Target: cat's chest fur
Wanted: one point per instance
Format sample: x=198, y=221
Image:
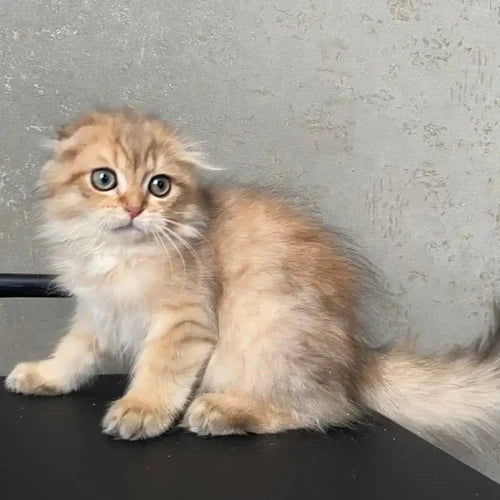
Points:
x=115, y=293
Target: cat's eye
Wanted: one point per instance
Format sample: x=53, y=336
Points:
x=159, y=185
x=103, y=179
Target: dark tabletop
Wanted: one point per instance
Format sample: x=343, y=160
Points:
x=52, y=448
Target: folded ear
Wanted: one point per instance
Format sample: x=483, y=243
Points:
x=66, y=131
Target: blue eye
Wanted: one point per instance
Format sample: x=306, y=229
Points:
x=159, y=185
x=103, y=179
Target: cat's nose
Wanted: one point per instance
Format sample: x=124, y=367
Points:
x=133, y=212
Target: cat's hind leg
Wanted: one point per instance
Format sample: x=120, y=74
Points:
x=281, y=363
x=219, y=414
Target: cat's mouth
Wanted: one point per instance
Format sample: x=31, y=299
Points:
x=130, y=227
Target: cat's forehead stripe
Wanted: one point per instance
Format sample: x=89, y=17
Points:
x=135, y=155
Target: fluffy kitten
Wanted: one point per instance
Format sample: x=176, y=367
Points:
x=240, y=314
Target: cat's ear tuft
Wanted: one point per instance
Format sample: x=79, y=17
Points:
x=196, y=158
x=67, y=131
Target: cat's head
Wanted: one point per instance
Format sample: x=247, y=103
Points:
x=121, y=177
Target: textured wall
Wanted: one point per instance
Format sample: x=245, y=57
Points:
x=384, y=114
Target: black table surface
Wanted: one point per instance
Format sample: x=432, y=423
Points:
x=52, y=448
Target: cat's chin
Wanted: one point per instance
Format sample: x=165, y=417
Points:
x=128, y=233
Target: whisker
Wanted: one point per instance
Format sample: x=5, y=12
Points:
x=177, y=250
x=190, y=214
x=200, y=223
x=187, y=245
x=180, y=224
x=162, y=244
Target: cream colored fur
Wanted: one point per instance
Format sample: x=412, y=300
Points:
x=237, y=312
x=456, y=394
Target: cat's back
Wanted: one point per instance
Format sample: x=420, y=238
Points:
x=283, y=283
x=251, y=218
x=257, y=230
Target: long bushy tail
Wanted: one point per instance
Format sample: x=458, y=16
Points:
x=455, y=394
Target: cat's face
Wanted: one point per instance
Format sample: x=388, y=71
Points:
x=122, y=178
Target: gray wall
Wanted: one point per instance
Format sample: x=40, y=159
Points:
x=383, y=114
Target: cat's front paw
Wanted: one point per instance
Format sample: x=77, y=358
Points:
x=35, y=378
x=131, y=418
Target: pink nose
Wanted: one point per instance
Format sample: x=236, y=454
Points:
x=133, y=212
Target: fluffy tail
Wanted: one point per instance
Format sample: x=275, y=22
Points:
x=456, y=394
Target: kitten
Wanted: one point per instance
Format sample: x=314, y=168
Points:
x=240, y=314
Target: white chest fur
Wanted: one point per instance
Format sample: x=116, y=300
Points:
x=119, y=327
x=114, y=296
